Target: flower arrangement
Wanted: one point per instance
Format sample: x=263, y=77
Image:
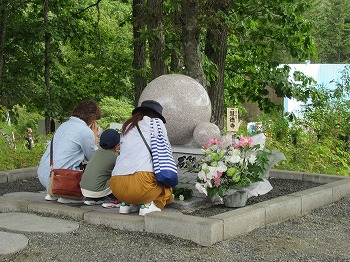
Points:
x=230, y=162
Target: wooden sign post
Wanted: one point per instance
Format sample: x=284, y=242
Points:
x=232, y=119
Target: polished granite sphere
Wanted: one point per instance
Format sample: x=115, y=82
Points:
x=204, y=131
x=185, y=104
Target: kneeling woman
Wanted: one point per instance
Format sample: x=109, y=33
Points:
x=133, y=181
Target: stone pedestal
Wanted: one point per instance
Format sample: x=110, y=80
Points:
x=186, y=179
x=181, y=155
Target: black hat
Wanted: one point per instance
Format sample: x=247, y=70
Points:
x=109, y=139
x=150, y=105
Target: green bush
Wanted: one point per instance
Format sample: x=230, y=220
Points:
x=326, y=156
x=17, y=155
x=114, y=110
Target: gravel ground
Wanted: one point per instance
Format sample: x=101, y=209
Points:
x=322, y=235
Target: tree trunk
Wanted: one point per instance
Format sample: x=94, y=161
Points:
x=139, y=63
x=216, y=50
x=156, y=39
x=175, y=55
x=47, y=68
x=191, y=40
x=2, y=41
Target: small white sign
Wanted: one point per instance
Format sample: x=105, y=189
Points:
x=232, y=119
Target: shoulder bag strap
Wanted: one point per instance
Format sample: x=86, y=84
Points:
x=143, y=138
x=51, y=154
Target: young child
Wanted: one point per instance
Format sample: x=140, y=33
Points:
x=95, y=181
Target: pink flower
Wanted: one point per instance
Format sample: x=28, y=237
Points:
x=217, y=181
x=213, y=141
x=243, y=142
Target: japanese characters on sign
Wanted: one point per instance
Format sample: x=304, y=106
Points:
x=232, y=119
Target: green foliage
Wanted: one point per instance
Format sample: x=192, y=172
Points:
x=184, y=191
x=331, y=25
x=17, y=155
x=24, y=119
x=259, y=33
x=90, y=54
x=114, y=110
x=318, y=140
x=326, y=156
x=91, y=57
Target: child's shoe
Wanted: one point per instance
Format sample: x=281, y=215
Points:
x=63, y=200
x=93, y=201
x=148, y=209
x=110, y=203
x=126, y=209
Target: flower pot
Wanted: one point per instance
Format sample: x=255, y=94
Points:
x=237, y=199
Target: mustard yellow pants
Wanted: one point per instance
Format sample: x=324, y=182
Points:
x=140, y=188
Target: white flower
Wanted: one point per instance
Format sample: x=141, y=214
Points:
x=221, y=167
x=212, y=172
x=208, y=184
x=201, y=188
x=202, y=176
x=235, y=157
x=252, y=159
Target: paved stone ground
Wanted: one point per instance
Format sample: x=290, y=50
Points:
x=322, y=235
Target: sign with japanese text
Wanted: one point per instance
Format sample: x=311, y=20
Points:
x=232, y=119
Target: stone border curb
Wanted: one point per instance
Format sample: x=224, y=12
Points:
x=17, y=174
x=203, y=231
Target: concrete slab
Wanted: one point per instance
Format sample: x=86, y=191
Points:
x=203, y=231
x=57, y=209
x=285, y=174
x=314, y=198
x=3, y=177
x=130, y=222
x=33, y=223
x=251, y=217
x=28, y=196
x=312, y=177
x=22, y=173
x=12, y=242
x=281, y=208
x=321, y=178
x=8, y=204
x=340, y=188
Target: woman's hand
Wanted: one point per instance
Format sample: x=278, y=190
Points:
x=95, y=128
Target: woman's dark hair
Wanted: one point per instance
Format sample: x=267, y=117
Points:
x=87, y=110
x=132, y=121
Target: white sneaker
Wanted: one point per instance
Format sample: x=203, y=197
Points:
x=91, y=202
x=63, y=200
x=111, y=203
x=126, y=209
x=148, y=209
x=49, y=197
